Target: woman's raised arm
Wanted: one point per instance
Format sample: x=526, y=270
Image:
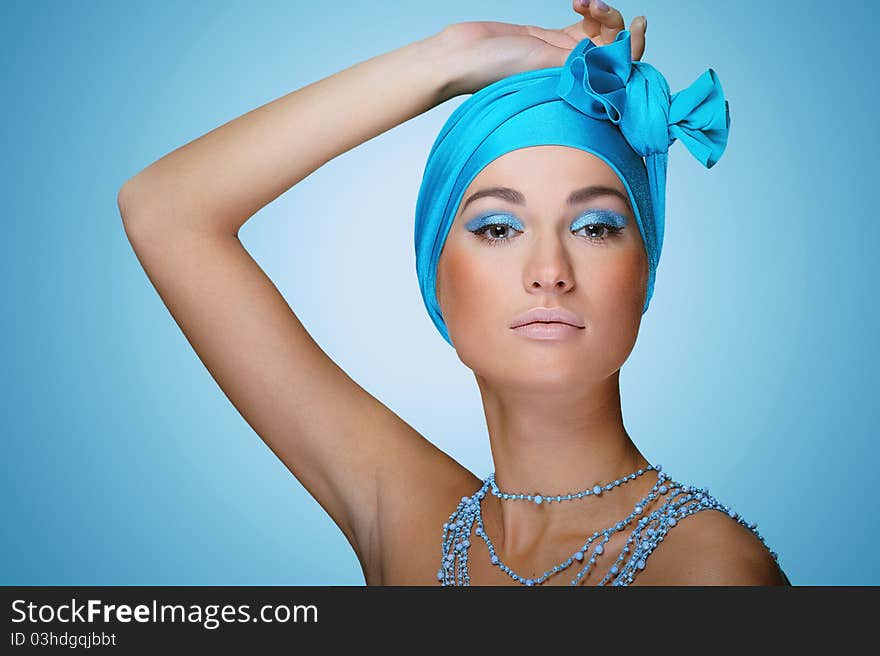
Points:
x=182, y=215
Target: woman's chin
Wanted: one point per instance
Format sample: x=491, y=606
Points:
x=547, y=371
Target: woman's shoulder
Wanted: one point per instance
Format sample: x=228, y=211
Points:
x=713, y=545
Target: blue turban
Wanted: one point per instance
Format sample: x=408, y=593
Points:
x=600, y=101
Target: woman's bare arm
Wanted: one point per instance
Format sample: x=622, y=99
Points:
x=182, y=215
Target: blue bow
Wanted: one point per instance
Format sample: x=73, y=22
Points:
x=604, y=82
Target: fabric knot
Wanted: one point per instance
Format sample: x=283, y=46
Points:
x=604, y=82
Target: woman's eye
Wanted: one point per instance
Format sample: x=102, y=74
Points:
x=599, y=231
x=495, y=233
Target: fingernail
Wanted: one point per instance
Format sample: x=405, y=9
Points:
x=601, y=6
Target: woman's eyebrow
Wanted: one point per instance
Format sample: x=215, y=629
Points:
x=577, y=196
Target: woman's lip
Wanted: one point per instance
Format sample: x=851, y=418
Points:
x=555, y=313
x=548, y=330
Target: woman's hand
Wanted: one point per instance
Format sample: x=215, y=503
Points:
x=487, y=51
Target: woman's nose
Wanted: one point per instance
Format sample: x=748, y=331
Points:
x=558, y=283
x=549, y=269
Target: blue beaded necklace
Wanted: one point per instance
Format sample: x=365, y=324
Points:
x=682, y=500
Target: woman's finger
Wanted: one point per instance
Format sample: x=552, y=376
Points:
x=588, y=26
x=610, y=20
x=637, y=30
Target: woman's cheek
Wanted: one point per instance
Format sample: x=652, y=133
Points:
x=622, y=294
x=472, y=287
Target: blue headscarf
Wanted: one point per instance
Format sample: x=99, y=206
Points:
x=599, y=101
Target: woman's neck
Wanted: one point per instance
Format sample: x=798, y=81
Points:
x=555, y=443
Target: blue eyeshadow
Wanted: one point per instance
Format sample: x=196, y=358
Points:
x=607, y=217
x=486, y=219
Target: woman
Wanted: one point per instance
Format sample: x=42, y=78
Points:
x=550, y=390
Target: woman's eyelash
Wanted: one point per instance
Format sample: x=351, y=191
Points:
x=610, y=230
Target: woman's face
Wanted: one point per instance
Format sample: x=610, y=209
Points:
x=531, y=247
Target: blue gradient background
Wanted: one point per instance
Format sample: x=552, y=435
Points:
x=755, y=373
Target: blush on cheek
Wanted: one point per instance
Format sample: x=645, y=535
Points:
x=472, y=291
x=455, y=277
x=616, y=294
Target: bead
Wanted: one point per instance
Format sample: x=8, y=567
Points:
x=599, y=549
x=579, y=555
x=597, y=489
x=538, y=499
